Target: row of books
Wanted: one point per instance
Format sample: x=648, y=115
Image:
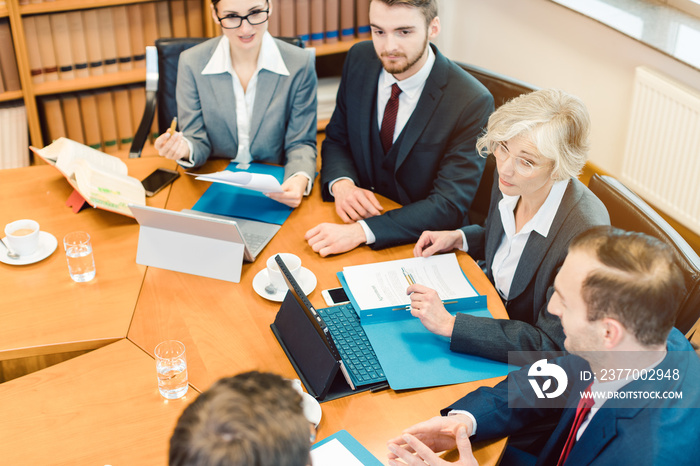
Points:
x=75, y=44
x=105, y=120
x=9, y=76
x=14, y=137
x=320, y=21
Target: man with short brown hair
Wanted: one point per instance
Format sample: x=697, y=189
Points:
x=405, y=126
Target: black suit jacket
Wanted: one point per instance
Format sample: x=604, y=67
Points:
x=633, y=429
x=531, y=327
x=437, y=168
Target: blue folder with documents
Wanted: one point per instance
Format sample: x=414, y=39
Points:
x=413, y=357
x=223, y=199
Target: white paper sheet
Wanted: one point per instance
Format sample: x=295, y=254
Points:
x=333, y=453
x=253, y=181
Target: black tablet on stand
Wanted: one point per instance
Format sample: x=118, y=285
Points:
x=309, y=345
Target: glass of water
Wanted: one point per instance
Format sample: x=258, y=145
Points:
x=81, y=263
x=171, y=366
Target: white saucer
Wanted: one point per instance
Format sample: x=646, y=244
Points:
x=312, y=409
x=47, y=245
x=307, y=281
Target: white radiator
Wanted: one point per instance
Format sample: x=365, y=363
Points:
x=662, y=155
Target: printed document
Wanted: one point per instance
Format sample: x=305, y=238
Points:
x=384, y=284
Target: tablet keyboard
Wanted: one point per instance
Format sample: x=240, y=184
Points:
x=353, y=345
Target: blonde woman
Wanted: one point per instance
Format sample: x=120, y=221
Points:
x=540, y=142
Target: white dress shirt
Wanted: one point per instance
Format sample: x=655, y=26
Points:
x=508, y=254
x=411, y=90
x=269, y=59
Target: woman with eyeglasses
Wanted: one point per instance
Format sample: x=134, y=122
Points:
x=540, y=143
x=249, y=97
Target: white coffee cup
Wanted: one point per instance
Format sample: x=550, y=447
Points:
x=23, y=236
x=292, y=262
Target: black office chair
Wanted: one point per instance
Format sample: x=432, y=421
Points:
x=161, y=79
x=629, y=212
x=502, y=88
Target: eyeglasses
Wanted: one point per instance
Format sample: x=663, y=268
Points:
x=523, y=166
x=254, y=18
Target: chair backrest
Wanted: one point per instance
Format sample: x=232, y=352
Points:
x=502, y=88
x=169, y=51
x=629, y=212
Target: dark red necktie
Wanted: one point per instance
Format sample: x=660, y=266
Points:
x=386, y=134
x=584, y=407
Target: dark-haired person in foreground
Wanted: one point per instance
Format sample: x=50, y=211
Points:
x=616, y=295
x=252, y=418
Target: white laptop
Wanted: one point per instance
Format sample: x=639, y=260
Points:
x=196, y=243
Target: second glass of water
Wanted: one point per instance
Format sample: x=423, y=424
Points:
x=171, y=366
x=81, y=262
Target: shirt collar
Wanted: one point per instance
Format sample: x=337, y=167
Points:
x=605, y=388
x=543, y=219
x=269, y=57
x=414, y=84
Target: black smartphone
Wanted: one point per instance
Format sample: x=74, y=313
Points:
x=158, y=180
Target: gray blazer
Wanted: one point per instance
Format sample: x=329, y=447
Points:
x=531, y=327
x=283, y=125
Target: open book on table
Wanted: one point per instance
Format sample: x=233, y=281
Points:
x=101, y=180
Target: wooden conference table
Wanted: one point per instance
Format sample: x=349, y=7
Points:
x=103, y=407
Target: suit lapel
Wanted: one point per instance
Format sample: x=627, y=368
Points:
x=601, y=430
x=221, y=86
x=537, y=245
x=494, y=236
x=428, y=102
x=367, y=105
x=267, y=83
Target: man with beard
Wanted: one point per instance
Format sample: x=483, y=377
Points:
x=405, y=126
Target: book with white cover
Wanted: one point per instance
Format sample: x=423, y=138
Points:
x=101, y=179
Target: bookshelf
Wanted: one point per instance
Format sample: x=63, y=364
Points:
x=57, y=87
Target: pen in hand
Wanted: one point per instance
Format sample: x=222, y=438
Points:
x=173, y=125
x=408, y=276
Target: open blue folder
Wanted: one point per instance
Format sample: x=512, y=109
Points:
x=223, y=199
x=413, y=357
x=356, y=448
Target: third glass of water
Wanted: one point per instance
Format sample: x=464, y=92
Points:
x=81, y=263
x=171, y=366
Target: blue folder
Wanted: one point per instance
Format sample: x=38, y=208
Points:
x=223, y=199
x=413, y=357
x=356, y=448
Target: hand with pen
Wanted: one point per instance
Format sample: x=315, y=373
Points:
x=432, y=242
x=429, y=308
x=172, y=144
